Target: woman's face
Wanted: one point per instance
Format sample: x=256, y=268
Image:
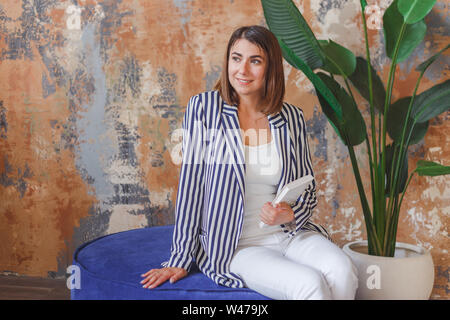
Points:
x=246, y=68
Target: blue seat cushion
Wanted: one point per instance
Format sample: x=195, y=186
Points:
x=111, y=268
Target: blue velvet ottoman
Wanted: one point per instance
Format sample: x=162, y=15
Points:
x=111, y=268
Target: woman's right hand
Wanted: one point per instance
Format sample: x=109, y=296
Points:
x=155, y=277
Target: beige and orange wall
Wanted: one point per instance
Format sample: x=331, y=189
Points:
x=92, y=95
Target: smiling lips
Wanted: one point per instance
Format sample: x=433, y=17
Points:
x=242, y=81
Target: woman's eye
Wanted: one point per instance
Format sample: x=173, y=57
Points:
x=236, y=59
x=256, y=61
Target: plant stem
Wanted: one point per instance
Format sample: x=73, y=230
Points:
x=386, y=107
x=406, y=186
x=374, y=243
x=398, y=163
x=372, y=181
x=392, y=225
x=402, y=140
x=391, y=248
x=373, y=162
x=374, y=231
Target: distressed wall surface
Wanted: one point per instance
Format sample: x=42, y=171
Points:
x=92, y=95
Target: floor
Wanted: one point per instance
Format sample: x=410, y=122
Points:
x=30, y=288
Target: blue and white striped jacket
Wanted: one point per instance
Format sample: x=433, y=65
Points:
x=210, y=200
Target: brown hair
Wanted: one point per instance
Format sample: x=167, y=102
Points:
x=274, y=74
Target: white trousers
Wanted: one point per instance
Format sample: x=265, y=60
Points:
x=306, y=266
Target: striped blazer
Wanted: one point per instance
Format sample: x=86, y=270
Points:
x=210, y=198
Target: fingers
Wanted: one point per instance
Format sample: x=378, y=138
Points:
x=155, y=277
x=149, y=272
x=278, y=214
x=273, y=208
x=269, y=214
x=264, y=216
x=267, y=217
x=157, y=280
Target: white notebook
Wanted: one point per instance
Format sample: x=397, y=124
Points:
x=291, y=192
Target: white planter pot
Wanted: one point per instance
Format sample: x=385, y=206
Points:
x=409, y=275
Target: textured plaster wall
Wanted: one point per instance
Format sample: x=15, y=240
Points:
x=92, y=95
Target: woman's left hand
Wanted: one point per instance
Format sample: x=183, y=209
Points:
x=275, y=215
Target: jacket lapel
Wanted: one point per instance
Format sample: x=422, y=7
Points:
x=234, y=145
x=285, y=147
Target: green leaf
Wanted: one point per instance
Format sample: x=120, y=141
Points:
x=287, y=23
x=353, y=125
x=415, y=10
x=432, y=102
x=392, y=25
x=359, y=79
x=315, y=80
x=424, y=65
x=338, y=59
x=403, y=176
x=396, y=118
x=430, y=168
x=363, y=4
x=331, y=115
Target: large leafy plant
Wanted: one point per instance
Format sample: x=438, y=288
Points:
x=405, y=120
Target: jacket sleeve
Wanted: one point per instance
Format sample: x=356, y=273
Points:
x=305, y=204
x=190, y=192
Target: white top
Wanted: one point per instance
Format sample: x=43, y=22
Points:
x=262, y=174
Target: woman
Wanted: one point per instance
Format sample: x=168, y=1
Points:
x=242, y=144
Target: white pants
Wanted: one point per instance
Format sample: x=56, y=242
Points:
x=306, y=266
